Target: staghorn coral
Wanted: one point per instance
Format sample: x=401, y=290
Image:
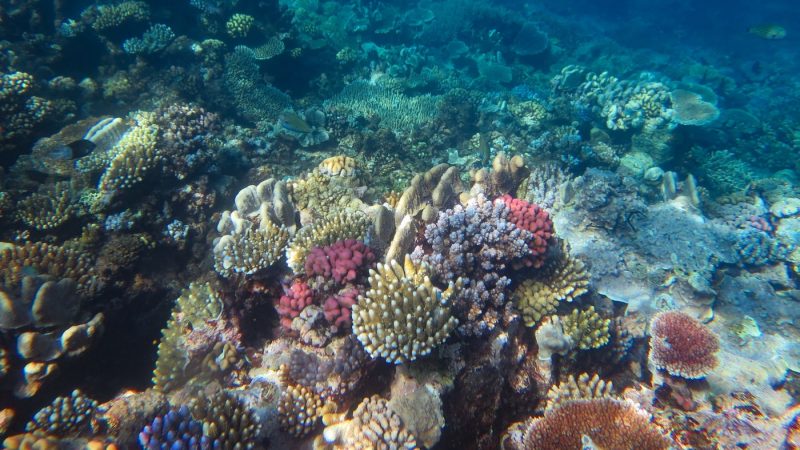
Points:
x=544, y=186
x=596, y=423
x=20, y=112
x=66, y=416
x=403, y=315
x=196, y=343
x=373, y=426
x=299, y=410
x=251, y=250
x=344, y=225
x=586, y=328
x=563, y=279
x=395, y=110
x=627, y=104
x=682, y=346
x=134, y=158
x=475, y=242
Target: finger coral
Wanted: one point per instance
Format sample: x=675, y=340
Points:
x=403, y=315
x=373, y=426
x=66, y=416
x=682, y=346
x=299, y=410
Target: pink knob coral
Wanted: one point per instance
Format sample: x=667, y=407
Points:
x=342, y=261
x=337, y=309
x=293, y=301
x=530, y=217
x=682, y=346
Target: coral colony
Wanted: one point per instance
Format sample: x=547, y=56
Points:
x=372, y=225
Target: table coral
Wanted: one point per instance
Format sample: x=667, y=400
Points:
x=403, y=315
x=682, y=346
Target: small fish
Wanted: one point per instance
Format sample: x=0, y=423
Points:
x=768, y=31
x=294, y=122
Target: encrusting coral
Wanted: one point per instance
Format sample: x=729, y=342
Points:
x=403, y=315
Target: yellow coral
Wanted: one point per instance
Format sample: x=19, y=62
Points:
x=587, y=328
x=239, y=25
x=403, y=315
x=563, y=279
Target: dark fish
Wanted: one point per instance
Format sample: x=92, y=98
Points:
x=81, y=147
x=768, y=31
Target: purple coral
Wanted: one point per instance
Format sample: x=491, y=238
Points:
x=476, y=242
x=175, y=429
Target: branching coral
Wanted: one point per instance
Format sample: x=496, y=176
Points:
x=20, y=112
x=250, y=251
x=586, y=328
x=66, y=416
x=227, y=421
x=563, y=279
x=403, y=315
x=299, y=410
x=105, y=17
x=476, y=242
x=682, y=346
x=373, y=426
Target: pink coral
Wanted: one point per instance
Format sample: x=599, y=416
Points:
x=293, y=301
x=530, y=217
x=682, y=346
x=338, y=308
x=343, y=261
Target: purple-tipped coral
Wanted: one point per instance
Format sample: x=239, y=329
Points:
x=476, y=242
x=174, y=430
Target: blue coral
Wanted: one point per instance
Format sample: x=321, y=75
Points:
x=173, y=431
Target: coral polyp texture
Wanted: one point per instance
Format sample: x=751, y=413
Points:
x=682, y=346
x=403, y=316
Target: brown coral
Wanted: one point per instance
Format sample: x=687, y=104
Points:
x=598, y=423
x=298, y=410
x=373, y=426
x=682, y=346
